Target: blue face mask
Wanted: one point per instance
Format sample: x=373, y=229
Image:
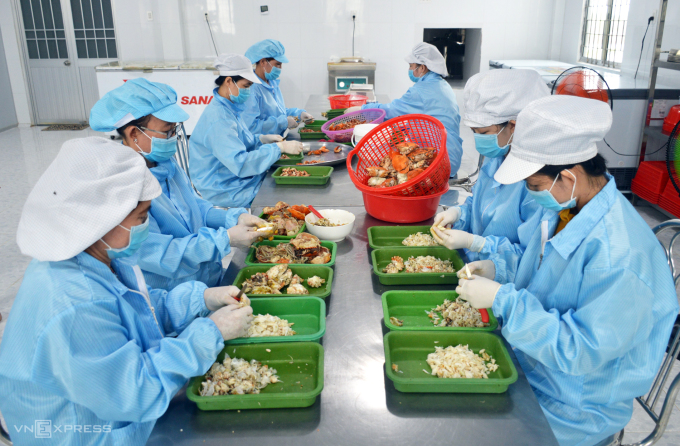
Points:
x=487, y=145
x=243, y=95
x=273, y=74
x=161, y=149
x=412, y=76
x=546, y=199
x=138, y=234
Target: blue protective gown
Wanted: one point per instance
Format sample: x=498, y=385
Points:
x=503, y=210
x=228, y=163
x=591, y=325
x=187, y=235
x=266, y=113
x=81, y=349
x=433, y=96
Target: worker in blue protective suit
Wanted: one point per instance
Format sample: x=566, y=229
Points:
x=228, y=162
x=87, y=355
x=188, y=237
x=590, y=304
x=430, y=95
x=265, y=111
x=493, y=100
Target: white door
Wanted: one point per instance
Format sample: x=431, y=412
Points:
x=64, y=41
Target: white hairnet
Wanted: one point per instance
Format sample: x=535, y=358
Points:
x=497, y=96
x=555, y=130
x=90, y=187
x=231, y=64
x=428, y=55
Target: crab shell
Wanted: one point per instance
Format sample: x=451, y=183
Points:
x=399, y=161
x=406, y=147
x=277, y=207
x=388, y=183
x=305, y=240
x=375, y=171
x=422, y=154
x=414, y=173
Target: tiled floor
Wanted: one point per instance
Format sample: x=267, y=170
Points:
x=26, y=152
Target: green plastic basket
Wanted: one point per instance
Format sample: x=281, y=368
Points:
x=304, y=271
x=409, y=350
x=251, y=260
x=286, y=237
x=388, y=236
x=318, y=175
x=410, y=307
x=382, y=257
x=317, y=124
x=306, y=136
x=308, y=314
x=291, y=161
x=302, y=377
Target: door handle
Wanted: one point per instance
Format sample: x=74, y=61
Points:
x=67, y=62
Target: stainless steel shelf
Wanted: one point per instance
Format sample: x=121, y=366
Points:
x=668, y=65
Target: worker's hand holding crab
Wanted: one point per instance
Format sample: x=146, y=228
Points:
x=220, y=296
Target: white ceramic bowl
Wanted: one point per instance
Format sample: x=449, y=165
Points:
x=331, y=233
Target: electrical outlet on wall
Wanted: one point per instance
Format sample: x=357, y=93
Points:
x=149, y=15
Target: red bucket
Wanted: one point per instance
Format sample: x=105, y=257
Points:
x=399, y=209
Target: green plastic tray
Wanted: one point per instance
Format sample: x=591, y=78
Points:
x=291, y=161
x=304, y=271
x=410, y=307
x=382, y=257
x=409, y=350
x=306, y=136
x=285, y=237
x=252, y=261
x=386, y=236
x=306, y=368
x=318, y=175
x=307, y=313
x=317, y=124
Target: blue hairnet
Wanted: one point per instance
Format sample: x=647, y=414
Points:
x=132, y=100
x=265, y=49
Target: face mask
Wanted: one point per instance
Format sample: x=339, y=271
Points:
x=138, y=234
x=487, y=145
x=546, y=199
x=273, y=74
x=412, y=76
x=161, y=149
x=243, y=95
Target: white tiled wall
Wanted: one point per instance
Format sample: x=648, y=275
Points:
x=14, y=64
x=313, y=31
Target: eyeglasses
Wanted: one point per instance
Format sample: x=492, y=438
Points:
x=168, y=134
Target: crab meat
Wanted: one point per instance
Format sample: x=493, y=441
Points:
x=279, y=276
x=296, y=280
x=305, y=240
x=315, y=281
x=297, y=289
x=396, y=265
x=277, y=207
x=389, y=183
x=402, y=178
x=375, y=171
x=376, y=181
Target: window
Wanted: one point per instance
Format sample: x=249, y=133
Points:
x=93, y=27
x=604, y=30
x=44, y=29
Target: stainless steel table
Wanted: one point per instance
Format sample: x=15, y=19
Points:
x=359, y=405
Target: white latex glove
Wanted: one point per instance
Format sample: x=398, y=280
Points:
x=232, y=321
x=304, y=117
x=482, y=268
x=447, y=218
x=242, y=236
x=247, y=219
x=292, y=123
x=269, y=139
x=290, y=147
x=455, y=239
x=220, y=296
x=480, y=292
x=352, y=109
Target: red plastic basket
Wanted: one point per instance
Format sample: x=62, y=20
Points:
x=670, y=199
x=643, y=192
x=370, y=115
x=652, y=175
x=346, y=100
x=397, y=209
x=423, y=130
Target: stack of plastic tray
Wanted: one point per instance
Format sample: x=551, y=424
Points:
x=670, y=199
x=650, y=180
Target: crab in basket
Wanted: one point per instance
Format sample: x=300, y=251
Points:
x=287, y=219
x=305, y=248
x=405, y=161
